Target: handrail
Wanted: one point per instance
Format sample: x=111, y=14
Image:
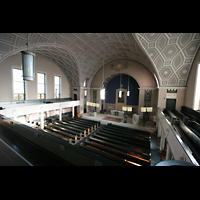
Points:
x=178, y=148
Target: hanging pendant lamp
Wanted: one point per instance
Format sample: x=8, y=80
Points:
x=103, y=90
x=128, y=91
x=120, y=92
x=28, y=64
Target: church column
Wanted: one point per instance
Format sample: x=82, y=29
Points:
x=60, y=114
x=169, y=153
x=162, y=141
x=159, y=130
x=72, y=111
x=42, y=120
x=81, y=90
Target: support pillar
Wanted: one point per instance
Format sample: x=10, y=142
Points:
x=72, y=111
x=169, y=153
x=159, y=130
x=60, y=114
x=162, y=141
x=42, y=120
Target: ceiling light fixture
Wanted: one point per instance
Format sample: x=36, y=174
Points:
x=128, y=91
x=28, y=64
x=102, y=93
x=120, y=92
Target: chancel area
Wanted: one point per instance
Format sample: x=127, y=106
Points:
x=99, y=99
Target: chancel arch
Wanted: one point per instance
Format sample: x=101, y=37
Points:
x=136, y=70
x=112, y=86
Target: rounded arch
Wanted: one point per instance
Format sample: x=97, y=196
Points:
x=139, y=72
x=109, y=78
x=128, y=82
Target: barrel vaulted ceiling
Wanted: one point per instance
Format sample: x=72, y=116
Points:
x=80, y=55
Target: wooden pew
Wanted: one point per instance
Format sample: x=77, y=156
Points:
x=120, y=148
x=59, y=132
x=192, y=114
x=106, y=155
x=131, y=142
x=195, y=127
x=142, y=141
x=67, y=131
x=170, y=116
x=129, y=130
x=119, y=154
x=56, y=135
x=63, y=124
x=181, y=117
x=141, y=151
x=89, y=127
x=124, y=132
x=88, y=120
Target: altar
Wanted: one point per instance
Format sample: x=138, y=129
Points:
x=117, y=112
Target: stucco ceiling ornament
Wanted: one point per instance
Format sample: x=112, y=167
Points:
x=117, y=66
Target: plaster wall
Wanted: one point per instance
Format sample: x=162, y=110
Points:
x=42, y=64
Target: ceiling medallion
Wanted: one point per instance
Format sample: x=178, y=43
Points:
x=117, y=66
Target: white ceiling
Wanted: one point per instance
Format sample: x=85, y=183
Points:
x=80, y=55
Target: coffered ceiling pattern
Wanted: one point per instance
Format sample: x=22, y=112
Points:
x=172, y=55
x=80, y=55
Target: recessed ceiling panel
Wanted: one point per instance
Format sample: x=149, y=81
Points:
x=174, y=49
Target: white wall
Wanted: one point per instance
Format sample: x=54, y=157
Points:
x=42, y=64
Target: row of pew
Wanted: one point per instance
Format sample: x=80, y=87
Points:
x=185, y=123
x=71, y=130
x=123, y=145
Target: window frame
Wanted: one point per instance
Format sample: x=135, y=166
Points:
x=13, y=83
x=60, y=83
x=196, y=102
x=45, y=84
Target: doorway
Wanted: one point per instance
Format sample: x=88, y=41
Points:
x=171, y=104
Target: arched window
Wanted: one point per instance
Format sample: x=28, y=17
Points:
x=197, y=90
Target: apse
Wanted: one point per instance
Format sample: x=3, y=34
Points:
x=114, y=84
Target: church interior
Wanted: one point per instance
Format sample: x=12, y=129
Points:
x=99, y=99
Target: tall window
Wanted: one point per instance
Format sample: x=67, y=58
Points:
x=41, y=79
x=57, y=86
x=18, y=85
x=197, y=90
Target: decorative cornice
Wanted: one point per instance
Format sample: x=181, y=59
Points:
x=177, y=88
